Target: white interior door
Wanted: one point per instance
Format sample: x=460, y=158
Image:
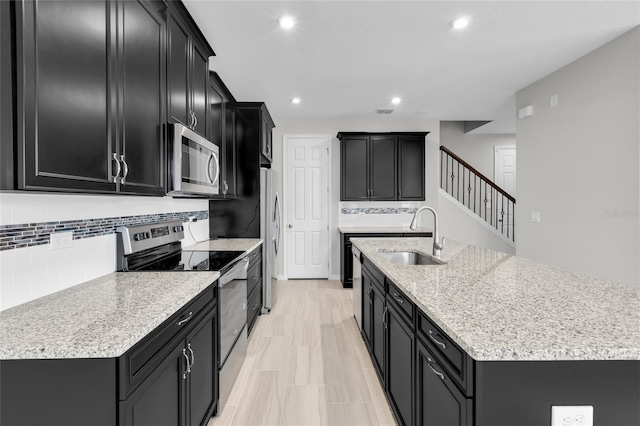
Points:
x=505, y=178
x=307, y=206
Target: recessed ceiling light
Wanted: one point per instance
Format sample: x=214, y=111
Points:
x=286, y=22
x=396, y=101
x=460, y=22
x=295, y=100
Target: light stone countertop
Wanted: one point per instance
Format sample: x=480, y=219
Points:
x=227, y=244
x=101, y=318
x=499, y=307
x=381, y=230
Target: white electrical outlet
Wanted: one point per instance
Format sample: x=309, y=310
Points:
x=60, y=240
x=535, y=217
x=572, y=415
x=553, y=101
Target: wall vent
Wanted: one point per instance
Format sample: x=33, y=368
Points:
x=384, y=111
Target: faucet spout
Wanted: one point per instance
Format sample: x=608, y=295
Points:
x=437, y=244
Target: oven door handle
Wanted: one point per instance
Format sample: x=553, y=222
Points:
x=238, y=271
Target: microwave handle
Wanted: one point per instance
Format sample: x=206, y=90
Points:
x=213, y=157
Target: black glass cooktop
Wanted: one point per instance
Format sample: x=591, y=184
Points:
x=194, y=261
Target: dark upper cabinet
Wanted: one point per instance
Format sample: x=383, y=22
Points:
x=7, y=148
x=257, y=124
x=88, y=100
x=188, y=70
x=381, y=166
x=65, y=95
x=354, y=168
x=411, y=168
x=221, y=133
x=142, y=44
x=382, y=173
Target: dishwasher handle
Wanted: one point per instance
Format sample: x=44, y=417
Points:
x=357, y=254
x=237, y=272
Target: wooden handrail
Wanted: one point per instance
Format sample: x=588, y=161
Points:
x=477, y=173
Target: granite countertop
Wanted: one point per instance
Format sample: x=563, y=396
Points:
x=101, y=318
x=499, y=307
x=227, y=244
x=105, y=317
x=381, y=230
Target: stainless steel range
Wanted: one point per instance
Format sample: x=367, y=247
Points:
x=158, y=247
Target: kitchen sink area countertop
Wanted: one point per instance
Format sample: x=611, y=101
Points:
x=382, y=230
x=227, y=244
x=101, y=318
x=499, y=307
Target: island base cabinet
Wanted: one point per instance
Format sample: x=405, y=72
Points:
x=523, y=392
x=69, y=392
x=400, y=367
x=438, y=400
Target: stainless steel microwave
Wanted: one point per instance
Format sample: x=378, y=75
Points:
x=193, y=162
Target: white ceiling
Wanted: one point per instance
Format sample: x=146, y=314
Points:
x=349, y=58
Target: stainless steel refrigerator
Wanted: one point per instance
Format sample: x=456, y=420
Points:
x=270, y=235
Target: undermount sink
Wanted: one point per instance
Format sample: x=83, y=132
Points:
x=408, y=258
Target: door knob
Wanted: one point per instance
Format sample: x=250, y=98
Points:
x=290, y=226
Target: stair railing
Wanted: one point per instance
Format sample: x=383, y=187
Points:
x=477, y=192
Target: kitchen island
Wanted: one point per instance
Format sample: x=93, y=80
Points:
x=496, y=339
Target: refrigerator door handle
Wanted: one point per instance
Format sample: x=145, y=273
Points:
x=276, y=223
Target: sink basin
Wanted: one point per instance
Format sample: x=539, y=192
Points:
x=408, y=258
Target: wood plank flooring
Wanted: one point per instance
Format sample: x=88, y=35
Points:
x=307, y=364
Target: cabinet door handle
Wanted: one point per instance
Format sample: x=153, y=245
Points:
x=193, y=357
x=431, y=334
x=384, y=317
x=115, y=177
x=436, y=372
x=397, y=298
x=185, y=320
x=369, y=293
x=184, y=373
x=126, y=169
x=195, y=120
x=225, y=185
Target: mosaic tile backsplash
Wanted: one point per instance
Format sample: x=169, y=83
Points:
x=379, y=210
x=35, y=234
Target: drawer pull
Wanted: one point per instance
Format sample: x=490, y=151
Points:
x=255, y=277
x=185, y=320
x=436, y=341
x=397, y=298
x=436, y=372
x=255, y=306
x=184, y=373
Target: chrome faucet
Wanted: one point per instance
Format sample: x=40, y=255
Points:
x=437, y=244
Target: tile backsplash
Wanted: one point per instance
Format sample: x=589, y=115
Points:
x=366, y=214
x=29, y=269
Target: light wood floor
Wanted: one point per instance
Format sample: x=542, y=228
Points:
x=307, y=364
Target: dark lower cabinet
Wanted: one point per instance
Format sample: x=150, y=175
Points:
x=378, y=330
x=160, y=400
x=400, y=366
x=201, y=386
x=438, y=400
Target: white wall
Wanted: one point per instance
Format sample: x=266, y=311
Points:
x=476, y=149
x=332, y=127
x=461, y=224
x=578, y=164
x=32, y=272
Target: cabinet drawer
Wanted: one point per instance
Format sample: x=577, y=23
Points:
x=374, y=272
x=255, y=255
x=402, y=301
x=253, y=306
x=456, y=360
x=254, y=276
x=139, y=361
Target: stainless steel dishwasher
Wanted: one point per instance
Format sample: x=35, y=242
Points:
x=357, y=285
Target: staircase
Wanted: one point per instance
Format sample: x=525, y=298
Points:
x=477, y=193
